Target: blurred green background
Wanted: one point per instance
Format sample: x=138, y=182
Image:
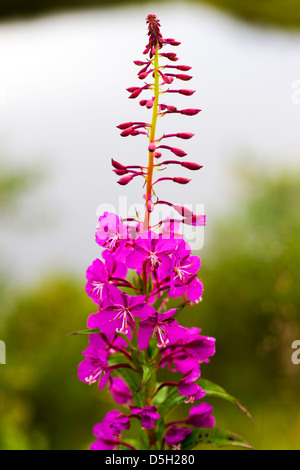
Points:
x=283, y=13
x=251, y=273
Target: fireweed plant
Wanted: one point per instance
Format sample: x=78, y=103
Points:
x=134, y=337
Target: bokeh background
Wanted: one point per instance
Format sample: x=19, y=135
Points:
x=65, y=66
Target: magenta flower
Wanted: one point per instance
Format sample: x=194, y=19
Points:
x=95, y=367
x=105, y=439
x=166, y=329
x=201, y=416
x=109, y=431
x=150, y=251
x=120, y=316
x=187, y=352
x=189, y=388
x=175, y=435
x=110, y=231
x=148, y=415
x=100, y=279
x=120, y=391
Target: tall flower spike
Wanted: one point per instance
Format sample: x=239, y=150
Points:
x=134, y=333
x=161, y=79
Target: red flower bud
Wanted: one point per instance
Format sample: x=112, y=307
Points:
x=127, y=131
x=165, y=78
x=186, y=92
x=143, y=102
x=117, y=165
x=172, y=42
x=190, y=112
x=184, y=68
x=124, y=125
x=178, y=152
x=170, y=55
x=138, y=62
x=191, y=165
x=143, y=75
x=125, y=180
x=184, y=77
x=136, y=93
x=132, y=88
x=150, y=206
x=149, y=103
x=181, y=180
x=185, y=135
x=157, y=154
x=152, y=147
x=121, y=172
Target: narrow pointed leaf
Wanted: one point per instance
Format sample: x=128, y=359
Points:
x=85, y=332
x=214, y=390
x=147, y=372
x=214, y=437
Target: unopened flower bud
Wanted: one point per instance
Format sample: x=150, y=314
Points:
x=178, y=152
x=190, y=112
x=165, y=78
x=185, y=135
x=186, y=92
x=117, y=165
x=150, y=206
x=152, y=147
x=127, y=131
x=132, y=89
x=184, y=68
x=170, y=55
x=124, y=125
x=135, y=93
x=120, y=172
x=181, y=180
x=184, y=77
x=172, y=42
x=157, y=154
x=143, y=75
x=191, y=165
x=143, y=102
x=125, y=180
x=149, y=103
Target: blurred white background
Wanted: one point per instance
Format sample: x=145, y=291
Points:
x=63, y=83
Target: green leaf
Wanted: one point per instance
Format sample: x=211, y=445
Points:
x=147, y=372
x=214, y=437
x=214, y=390
x=173, y=399
x=132, y=380
x=85, y=332
x=131, y=377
